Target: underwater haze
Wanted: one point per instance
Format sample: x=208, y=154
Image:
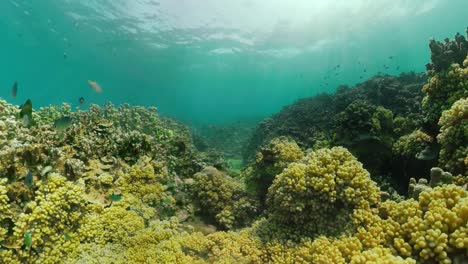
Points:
x=211, y=61
x=239, y=131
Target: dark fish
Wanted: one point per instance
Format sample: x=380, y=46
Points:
x=81, y=101
x=429, y=153
x=26, y=112
x=390, y=57
x=365, y=70
x=398, y=68
x=337, y=66
x=65, y=55
x=115, y=197
x=28, y=179
x=360, y=77
x=14, y=89
x=62, y=123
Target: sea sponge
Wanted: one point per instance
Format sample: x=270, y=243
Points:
x=319, y=195
x=453, y=137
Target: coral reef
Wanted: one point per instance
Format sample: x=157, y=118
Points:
x=330, y=182
x=366, y=119
x=123, y=185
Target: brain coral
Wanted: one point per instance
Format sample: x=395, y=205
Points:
x=320, y=194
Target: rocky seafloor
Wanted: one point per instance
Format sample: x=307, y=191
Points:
x=124, y=185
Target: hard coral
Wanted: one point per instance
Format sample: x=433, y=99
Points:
x=319, y=195
x=57, y=209
x=222, y=199
x=442, y=90
x=270, y=161
x=453, y=138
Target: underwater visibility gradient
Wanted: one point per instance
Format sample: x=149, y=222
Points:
x=211, y=62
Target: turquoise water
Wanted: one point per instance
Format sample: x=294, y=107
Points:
x=211, y=61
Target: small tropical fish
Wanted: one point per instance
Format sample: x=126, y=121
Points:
x=28, y=179
x=62, y=123
x=115, y=197
x=81, y=101
x=67, y=236
x=95, y=86
x=14, y=89
x=26, y=112
x=27, y=239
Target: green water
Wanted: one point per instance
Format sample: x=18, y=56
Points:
x=211, y=61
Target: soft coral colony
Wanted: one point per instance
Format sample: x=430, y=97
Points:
x=123, y=185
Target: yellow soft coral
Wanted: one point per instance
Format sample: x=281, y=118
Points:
x=323, y=190
x=412, y=144
x=54, y=214
x=4, y=207
x=453, y=137
x=379, y=255
x=112, y=224
x=142, y=181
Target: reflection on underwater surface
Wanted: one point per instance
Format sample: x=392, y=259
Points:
x=373, y=172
